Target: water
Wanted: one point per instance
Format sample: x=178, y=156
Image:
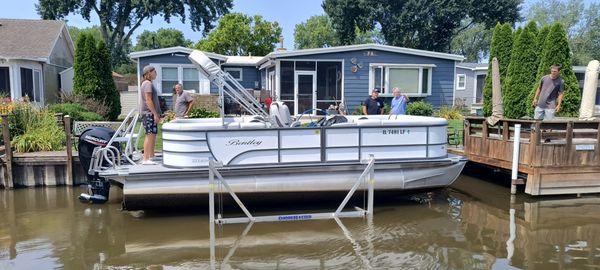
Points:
x=463, y=227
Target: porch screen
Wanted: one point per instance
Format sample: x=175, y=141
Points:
x=4, y=82
x=329, y=84
x=407, y=79
x=287, y=83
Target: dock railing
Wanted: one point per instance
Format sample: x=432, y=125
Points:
x=561, y=145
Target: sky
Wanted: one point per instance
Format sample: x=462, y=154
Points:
x=286, y=12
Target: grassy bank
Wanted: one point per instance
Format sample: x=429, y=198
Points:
x=158, y=138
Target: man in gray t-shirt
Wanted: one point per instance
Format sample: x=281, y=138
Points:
x=549, y=95
x=183, y=102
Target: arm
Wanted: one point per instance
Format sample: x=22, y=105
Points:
x=535, y=97
x=364, y=109
x=559, y=101
x=189, y=107
x=406, y=97
x=151, y=107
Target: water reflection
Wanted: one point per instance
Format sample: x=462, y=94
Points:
x=466, y=227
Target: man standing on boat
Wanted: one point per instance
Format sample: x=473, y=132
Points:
x=549, y=95
x=373, y=105
x=183, y=101
x=398, y=102
x=150, y=112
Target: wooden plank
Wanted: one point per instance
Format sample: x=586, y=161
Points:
x=598, y=146
x=569, y=143
x=69, y=167
x=505, y=131
x=8, y=178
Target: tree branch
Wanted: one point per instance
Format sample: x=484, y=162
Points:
x=465, y=27
x=135, y=26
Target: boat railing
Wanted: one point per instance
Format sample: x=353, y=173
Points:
x=114, y=156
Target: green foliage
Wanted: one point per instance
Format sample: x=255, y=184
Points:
x=438, y=20
x=120, y=19
x=76, y=111
x=473, y=42
x=87, y=103
x=419, y=108
x=93, y=75
x=317, y=32
x=449, y=113
x=240, y=34
x=197, y=112
x=556, y=51
x=162, y=38
x=33, y=129
x=501, y=48
x=521, y=73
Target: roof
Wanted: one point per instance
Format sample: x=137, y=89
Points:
x=30, y=39
x=473, y=66
x=173, y=50
x=369, y=46
x=243, y=60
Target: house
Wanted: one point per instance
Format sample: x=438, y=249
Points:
x=316, y=78
x=470, y=79
x=32, y=54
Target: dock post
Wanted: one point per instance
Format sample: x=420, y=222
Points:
x=8, y=179
x=69, y=177
x=515, y=159
x=371, y=183
x=211, y=212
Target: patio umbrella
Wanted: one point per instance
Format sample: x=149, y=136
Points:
x=588, y=99
x=497, y=110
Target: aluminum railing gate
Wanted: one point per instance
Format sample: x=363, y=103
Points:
x=368, y=174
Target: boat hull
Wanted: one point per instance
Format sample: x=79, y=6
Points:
x=176, y=187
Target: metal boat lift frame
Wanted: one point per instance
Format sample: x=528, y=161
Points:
x=368, y=174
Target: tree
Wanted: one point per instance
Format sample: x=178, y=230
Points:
x=119, y=19
x=556, y=51
x=162, y=38
x=317, y=32
x=421, y=24
x=108, y=93
x=501, y=48
x=473, y=42
x=78, y=32
x=521, y=72
x=239, y=34
x=581, y=22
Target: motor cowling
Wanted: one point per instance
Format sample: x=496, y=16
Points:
x=98, y=187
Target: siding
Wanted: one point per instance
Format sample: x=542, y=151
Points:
x=250, y=76
x=356, y=85
x=467, y=94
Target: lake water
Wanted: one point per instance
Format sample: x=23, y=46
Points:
x=472, y=225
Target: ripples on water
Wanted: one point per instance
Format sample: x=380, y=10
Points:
x=463, y=227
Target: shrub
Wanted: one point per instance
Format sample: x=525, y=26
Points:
x=419, y=108
x=76, y=111
x=34, y=130
x=450, y=113
x=198, y=112
x=501, y=48
x=88, y=103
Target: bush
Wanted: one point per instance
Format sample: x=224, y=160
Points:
x=88, y=103
x=501, y=48
x=197, y=112
x=34, y=130
x=76, y=111
x=419, y=108
x=449, y=113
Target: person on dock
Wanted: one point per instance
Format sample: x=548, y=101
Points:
x=549, y=95
x=183, y=101
x=150, y=112
x=373, y=105
x=398, y=102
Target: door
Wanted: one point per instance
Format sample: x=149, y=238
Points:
x=305, y=92
x=271, y=84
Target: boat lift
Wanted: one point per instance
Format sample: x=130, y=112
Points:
x=368, y=176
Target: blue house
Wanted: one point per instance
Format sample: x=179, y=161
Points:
x=315, y=78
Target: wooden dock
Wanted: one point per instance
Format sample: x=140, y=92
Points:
x=558, y=157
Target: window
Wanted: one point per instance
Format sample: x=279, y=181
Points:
x=31, y=84
x=236, y=73
x=5, y=81
x=169, y=78
x=461, y=81
x=188, y=76
x=287, y=83
x=191, y=79
x=329, y=84
x=412, y=80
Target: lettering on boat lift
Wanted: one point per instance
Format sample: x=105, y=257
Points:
x=295, y=217
x=236, y=142
x=395, y=131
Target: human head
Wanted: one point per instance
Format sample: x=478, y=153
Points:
x=375, y=93
x=396, y=92
x=149, y=73
x=555, y=71
x=177, y=88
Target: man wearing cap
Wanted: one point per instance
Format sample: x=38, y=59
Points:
x=150, y=112
x=373, y=105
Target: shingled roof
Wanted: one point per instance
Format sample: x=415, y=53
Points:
x=28, y=39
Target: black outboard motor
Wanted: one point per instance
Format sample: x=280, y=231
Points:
x=98, y=187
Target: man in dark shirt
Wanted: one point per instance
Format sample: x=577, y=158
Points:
x=373, y=105
x=549, y=95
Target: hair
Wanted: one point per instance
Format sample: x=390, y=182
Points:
x=395, y=88
x=146, y=75
x=175, y=86
x=556, y=66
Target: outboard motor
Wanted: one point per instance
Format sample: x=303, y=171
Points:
x=98, y=187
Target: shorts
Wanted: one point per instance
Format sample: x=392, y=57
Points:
x=543, y=114
x=149, y=124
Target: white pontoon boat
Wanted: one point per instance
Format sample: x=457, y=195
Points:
x=274, y=154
